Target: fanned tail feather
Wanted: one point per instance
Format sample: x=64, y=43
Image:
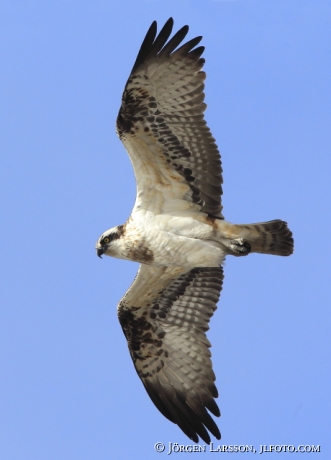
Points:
x=273, y=237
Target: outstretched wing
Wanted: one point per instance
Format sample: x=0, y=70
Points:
x=162, y=127
x=164, y=316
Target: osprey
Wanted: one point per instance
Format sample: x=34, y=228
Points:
x=176, y=230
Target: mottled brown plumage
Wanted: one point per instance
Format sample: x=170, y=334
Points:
x=163, y=99
x=176, y=230
x=168, y=345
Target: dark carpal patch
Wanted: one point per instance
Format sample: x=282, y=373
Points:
x=132, y=110
x=143, y=328
x=144, y=339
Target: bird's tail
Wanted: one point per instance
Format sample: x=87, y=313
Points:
x=273, y=237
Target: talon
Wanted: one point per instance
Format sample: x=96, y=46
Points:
x=240, y=246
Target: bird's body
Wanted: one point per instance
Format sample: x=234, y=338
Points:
x=176, y=230
x=155, y=244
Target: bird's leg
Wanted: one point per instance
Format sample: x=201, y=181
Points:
x=237, y=246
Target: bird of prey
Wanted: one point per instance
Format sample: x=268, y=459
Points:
x=176, y=230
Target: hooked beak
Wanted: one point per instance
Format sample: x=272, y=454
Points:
x=100, y=251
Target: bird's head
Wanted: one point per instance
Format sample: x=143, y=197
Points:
x=107, y=243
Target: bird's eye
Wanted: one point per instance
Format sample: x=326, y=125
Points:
x=106, y=240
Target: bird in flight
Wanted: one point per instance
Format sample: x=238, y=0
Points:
x=176, y=230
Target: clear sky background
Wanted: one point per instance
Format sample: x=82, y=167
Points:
x=68, y=389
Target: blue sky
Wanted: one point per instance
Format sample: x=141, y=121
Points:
x=68, y=389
